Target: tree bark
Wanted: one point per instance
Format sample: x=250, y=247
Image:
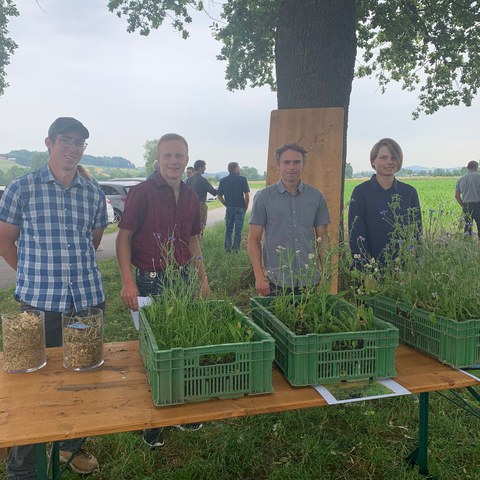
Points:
x=315, y=50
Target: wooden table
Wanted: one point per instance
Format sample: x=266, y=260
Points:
x=56, y=404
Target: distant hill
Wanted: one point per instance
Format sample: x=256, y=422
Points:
x=417, y=168
x=219, y=174
x=25, y=158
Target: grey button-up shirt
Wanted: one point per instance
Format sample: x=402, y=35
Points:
x=289, y=223
x=469, y=187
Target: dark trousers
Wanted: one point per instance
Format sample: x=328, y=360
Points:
x=21, y=463
x=155, y=283
x=471, y=213
x=234, y=218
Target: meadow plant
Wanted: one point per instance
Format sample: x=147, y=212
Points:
x=312, y=308
x=180, y=317
x=437, y=271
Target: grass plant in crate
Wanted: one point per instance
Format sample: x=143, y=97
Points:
x=428, y=288
x=196, y=349
x=320, y=337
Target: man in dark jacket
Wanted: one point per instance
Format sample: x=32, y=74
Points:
x=233, y=192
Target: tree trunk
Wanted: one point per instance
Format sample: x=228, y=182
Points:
x=315, y=50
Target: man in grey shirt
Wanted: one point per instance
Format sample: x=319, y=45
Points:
x=467, y=194
x=293, y=218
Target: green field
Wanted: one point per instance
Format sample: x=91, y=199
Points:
x=436, y=194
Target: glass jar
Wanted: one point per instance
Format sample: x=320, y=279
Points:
x=23, y=338
x=82, y=334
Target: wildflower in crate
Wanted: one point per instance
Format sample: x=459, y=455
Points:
x=429, y=290
x=437, y=273
x=196, y=349
x=313, y=308
x=320, y=337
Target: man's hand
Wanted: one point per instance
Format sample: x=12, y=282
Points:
x=262, y=286
x=205, y=288
x=129, y=296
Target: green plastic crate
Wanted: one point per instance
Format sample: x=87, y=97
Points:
x=454, y=342
x=180, y=375
x=315, y=359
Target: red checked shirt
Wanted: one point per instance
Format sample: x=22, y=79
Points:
x=161, y=226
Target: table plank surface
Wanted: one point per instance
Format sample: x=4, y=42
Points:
x=55, y=404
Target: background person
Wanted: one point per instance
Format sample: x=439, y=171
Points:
x=190, y=171
x=233, y=192
x=160, y=215
x=467, y=194
x=51, y=222
x=370, y=219
x=289, y=214
x=201, y=186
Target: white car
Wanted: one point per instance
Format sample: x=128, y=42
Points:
x=116, y=191
x=110, y=211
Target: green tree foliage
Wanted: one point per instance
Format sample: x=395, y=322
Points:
x=7, y=45
x=150, y=155
x=251, y=173
x=38, y=159
x=348, y=171
x=114, y=162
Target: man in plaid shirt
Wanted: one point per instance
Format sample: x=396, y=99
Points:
x=51, y=222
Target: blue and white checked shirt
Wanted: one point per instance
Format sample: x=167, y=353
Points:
x=57, y=268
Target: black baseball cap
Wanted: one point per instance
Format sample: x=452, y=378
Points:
x=65, y=124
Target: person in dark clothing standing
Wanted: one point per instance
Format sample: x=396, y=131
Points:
x=370, y=219
x=201, y=186
x=233, y=192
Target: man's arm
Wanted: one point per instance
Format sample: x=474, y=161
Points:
x=246, y=197
x=222, y=199
x=210, y=188
x=195, y=248
x=8, y=249
x=458, y=198
x=262, y=284
x=97, y=236
x=129, y=293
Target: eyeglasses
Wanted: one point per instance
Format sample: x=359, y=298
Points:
x=72, y=142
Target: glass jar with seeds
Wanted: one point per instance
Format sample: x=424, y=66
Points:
x=82, y=339
x=23, y=336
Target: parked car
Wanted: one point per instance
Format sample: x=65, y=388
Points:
x=129, y=179
x=2, y=189
x=116, y=191
x=110, y=211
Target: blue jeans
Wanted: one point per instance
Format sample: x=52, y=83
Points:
x=234, y=218
x=21, y=463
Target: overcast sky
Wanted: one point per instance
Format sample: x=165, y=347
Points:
x=75, y=58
